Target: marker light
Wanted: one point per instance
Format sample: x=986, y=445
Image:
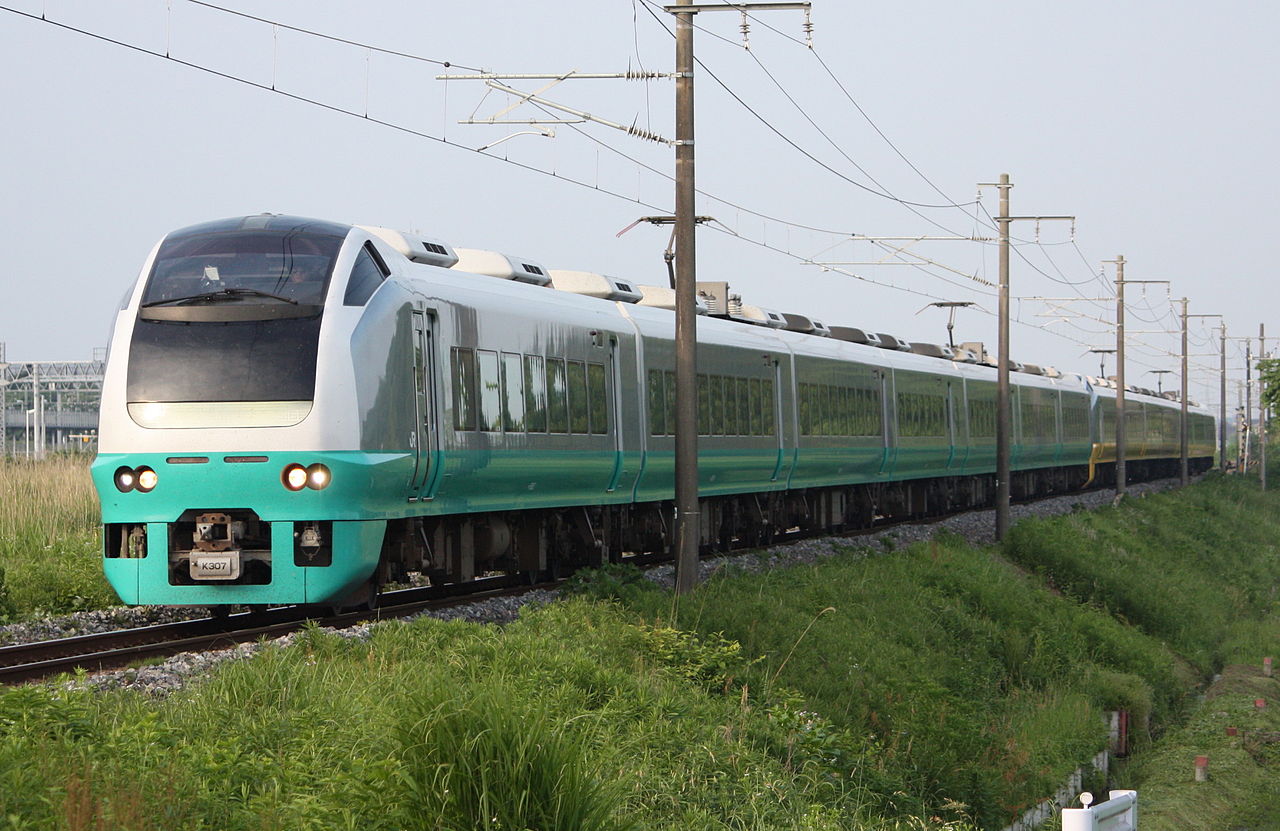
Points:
x=318, y=477
x=147, y=479
x=294, y=477
x=125, y=479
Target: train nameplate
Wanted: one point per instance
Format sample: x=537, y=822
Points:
x=224, y=565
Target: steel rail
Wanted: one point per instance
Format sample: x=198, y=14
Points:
x=112, y=650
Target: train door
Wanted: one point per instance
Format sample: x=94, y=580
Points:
x=888, y=423
x=779, y=430
x=424, y=437
x=953, y=426
x=615, y=424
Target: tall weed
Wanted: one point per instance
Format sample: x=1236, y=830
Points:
x=50, y=537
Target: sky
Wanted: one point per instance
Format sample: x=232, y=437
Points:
x=1152, y=123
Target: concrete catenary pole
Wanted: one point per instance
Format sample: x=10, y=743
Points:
x=688, y=520
x=1222, y=401
x=1184, y=472
x=686, y=409
x=1004, y=423
x=1262, y=407
x=1246, y=445
x=1121, y=473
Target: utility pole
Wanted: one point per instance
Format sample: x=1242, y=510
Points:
x=688, y=526
x=1122, y=475
x=1004, y=415
x=1262, y=407
x=1183, y=469
x=1248, y=404
x=1184, y=424
x=1222, y=402
x=1004, y=424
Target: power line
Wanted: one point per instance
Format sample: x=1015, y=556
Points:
x=324, y=36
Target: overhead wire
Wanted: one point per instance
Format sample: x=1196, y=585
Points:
x=531, y=168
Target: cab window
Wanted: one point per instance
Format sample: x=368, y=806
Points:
x=366, y=275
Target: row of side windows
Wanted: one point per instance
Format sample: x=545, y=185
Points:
x=510, y=392
x=1039, y=422
x=831, y=410
x=921, y=415
x=982, y=418
x=727, y=405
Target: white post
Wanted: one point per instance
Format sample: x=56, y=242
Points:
x=1118, y=813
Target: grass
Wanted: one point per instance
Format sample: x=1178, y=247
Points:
x=576, y=717
x=948, y=674
x=927, y=687
x=1243, y=790
x=50, y=541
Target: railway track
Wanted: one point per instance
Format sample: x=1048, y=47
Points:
x=112, y=650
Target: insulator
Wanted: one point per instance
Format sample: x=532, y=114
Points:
x=645, y=134
x=808, y=29
x=745, y=28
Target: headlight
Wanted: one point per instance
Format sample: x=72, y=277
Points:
x=318, y=477
x=294, y=477
x=147, y=479
x=125, y=479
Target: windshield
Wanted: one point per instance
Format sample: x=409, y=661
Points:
x=232, y=312
x=240, y=266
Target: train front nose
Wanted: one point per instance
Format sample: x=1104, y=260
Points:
x=233, y=529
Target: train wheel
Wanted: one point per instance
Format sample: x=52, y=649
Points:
x=363, y=599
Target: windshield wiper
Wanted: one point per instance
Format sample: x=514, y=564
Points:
x=217, y=296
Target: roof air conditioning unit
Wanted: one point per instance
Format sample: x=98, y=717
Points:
x=502, y=266
x=591, y=284
x=661, y=297
x=893, y=342
x=760, y=316
x=851, y=334
x=415, y=247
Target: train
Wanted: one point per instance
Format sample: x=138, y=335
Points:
x=298, y=411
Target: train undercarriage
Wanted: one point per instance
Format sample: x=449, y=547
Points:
x=550, y=542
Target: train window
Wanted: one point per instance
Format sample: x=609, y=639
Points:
x=704, y=406
x=921, y=415
x=535, y=394
x=670, y=388
x=557, y=397
x=744, y=407
x=806, y=415
x=770, y=425
x=730, y=408
x=490, y=391
x=366, y=275
x=717, y=405
x=463, y=363
x=982, y=419
x=599, y=396
x=512, y=393
x=579, y=407
x=657, y=409
x=757, y=414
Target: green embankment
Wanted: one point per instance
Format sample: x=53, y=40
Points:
x=924, y=688
x=1243, y=789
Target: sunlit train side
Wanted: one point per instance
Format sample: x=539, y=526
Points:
x=296, y=411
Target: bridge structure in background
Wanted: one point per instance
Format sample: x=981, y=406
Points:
x=49, y=405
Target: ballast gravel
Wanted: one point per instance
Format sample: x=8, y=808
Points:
x=977, y=527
